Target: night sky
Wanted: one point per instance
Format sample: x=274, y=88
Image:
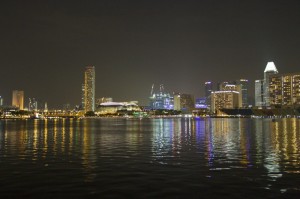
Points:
x=45, y=45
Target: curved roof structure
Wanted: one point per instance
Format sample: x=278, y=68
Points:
x=271, y=67
x=118, y=104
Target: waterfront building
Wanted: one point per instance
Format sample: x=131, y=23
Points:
x=161, y=99
x=82, y=96
x=208, y=89
x=201, y=103
x=89, y=89
x=244, y=90
x=262, y=93
x=184, y=103
x=18, y=99
x=284, y=90
x=224, y=99
x=103, y=100
x=112, y=108
x=259, y=93
x=269, y=70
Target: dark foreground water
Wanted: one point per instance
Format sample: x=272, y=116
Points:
x=150, y=158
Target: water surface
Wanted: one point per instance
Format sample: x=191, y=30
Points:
x=150, y=158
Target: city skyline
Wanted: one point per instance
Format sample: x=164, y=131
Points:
x=134, y=44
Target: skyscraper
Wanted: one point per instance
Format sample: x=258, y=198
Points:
x=18, y=99
x=208, y=89
x=269, y=70
x=224, y=99
x=259, y=93
x=244, y=90
x=89, y=89
x=262, y=93
x=285, y=89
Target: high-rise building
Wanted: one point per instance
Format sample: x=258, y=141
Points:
x=269, y=70
x=184, y=103
x=18, y=99
x=1, y=101
x=244, y=89
x=259, y=93
x=224, y=99
x=262, y=93
x=284, y=90
x=89, y=89
x=82, y=96
x=208, y=89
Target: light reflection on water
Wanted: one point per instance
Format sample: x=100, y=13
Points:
x=133, y=154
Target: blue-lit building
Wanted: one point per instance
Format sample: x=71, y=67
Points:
x=201, y=103
x=161, y=99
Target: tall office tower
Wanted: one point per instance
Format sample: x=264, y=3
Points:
x=1, y=101
x=259, y=93
x=18, y=99
x=269, y=70
x=244, y=90
x=224, y=99
x=82, y=96
x=284, y=89
x=208, y=89
x=184, y=103
x=89, y=88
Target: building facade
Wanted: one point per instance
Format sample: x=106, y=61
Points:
x=262, y=92
x=184, y=103
x=161, y=99
x=224, y=99
x=244, y=89
x=269, y=70
x=89, y=89
x=18, y=99
x=259, y=93
x=284, y=90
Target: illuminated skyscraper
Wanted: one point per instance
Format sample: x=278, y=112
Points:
x=18, y=99
x=184, y=103
x=244, y=90
x=224, y=99
x=259, y=93
x=208, y=89
x=262, y=93
x=269, y=70
x=284, y=89
x=89, y=88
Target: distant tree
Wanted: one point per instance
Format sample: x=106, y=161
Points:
x=89, y=114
